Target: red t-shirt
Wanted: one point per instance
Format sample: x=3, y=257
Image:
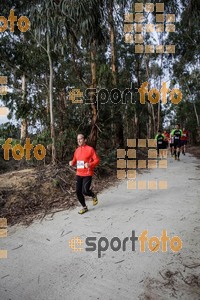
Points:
x=184, y=135
x=167, y=136
x=85, y=154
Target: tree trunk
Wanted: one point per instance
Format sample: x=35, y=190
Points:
x=159, y=103
x=51, y=100
x=62, y=97
x=136, y=120
x=150, y=125
x=136, y=126
x=112, y=45
x=93, y=132
x=119, y=131
x=154, y=121
x=24, y=122
x=196, y=114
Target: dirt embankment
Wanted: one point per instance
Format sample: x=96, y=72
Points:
x=33, y=193
x=195, y=150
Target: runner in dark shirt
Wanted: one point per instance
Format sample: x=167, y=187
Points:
x=160, y=141
x=177, y=134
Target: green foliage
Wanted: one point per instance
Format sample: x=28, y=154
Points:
x=9, y=130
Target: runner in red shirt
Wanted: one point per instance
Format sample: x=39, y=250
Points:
x=184, y=140
x=85, y=159
x=167, y=138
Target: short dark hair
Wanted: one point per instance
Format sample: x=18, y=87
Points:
x=82, y=135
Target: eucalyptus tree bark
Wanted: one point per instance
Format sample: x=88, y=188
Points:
x=51, y=100
x=93, y=66
x=119, y=132
x=151, y=126
x=112, y=44
x=24, y=122
x=159, y=102
x=93, y=84
x=136, y=117
x=43, y=26
x=196, y=114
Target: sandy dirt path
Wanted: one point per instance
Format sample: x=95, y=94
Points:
x=41, y=266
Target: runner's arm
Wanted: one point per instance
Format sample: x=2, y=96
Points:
x=165, y=137
x=172, y=133
x=74, y=160
x=94, y=159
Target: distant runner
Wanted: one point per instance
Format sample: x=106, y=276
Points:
x=171, y=144
x=166, y=141
x=177, y=134
x=160, y=141
x=184, y=140
x=85, y=159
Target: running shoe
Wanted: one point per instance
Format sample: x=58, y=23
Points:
x=83, y=210
x=95, y=200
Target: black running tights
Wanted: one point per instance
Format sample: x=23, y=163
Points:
x=83, y=188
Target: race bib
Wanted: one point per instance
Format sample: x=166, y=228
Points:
x=177, y=137
x=80, y=164
x=159, y=142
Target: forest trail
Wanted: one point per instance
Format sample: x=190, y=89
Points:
x=40, y=264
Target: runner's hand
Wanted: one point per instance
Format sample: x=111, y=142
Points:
x=70, y=163
x=87, y=165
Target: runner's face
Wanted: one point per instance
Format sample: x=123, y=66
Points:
x=80, y=140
